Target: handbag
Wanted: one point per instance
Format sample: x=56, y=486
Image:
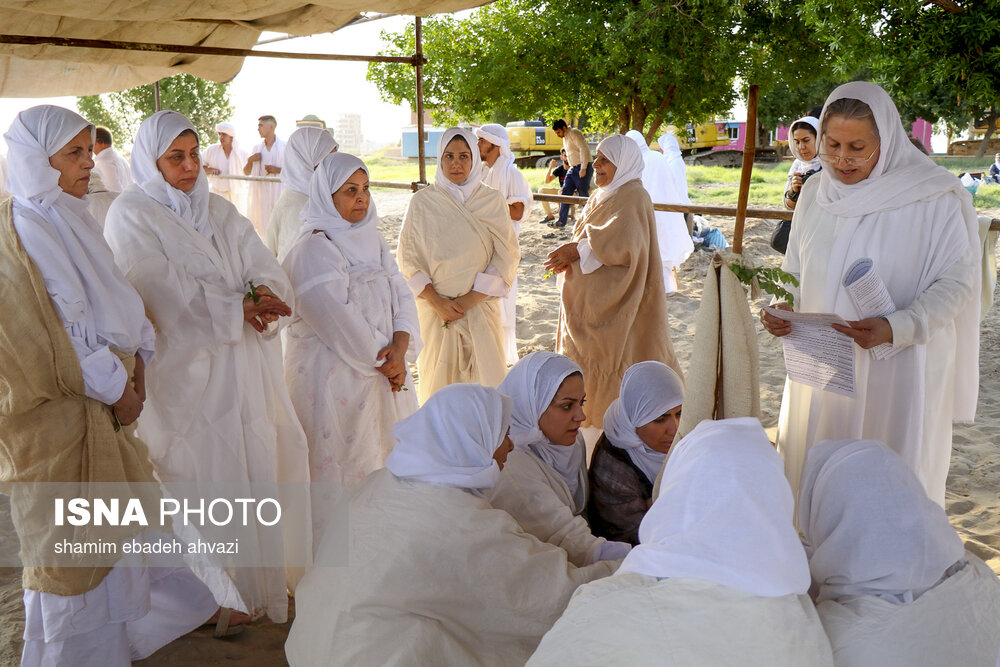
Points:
x=779, y=237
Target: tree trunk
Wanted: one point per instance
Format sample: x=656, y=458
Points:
x=991, y=124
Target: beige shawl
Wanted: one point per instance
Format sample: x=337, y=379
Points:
x=451, y=243
x=50, y=431
x=617, y=315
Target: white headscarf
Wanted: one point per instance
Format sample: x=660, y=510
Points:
x=649, y=389
x=625, y=155
x=869, y=527
x=69, y=249
x=359, y=241
x=463, y=190
x=640, y=141
x=793, y=149
x=303, y=152
x=227, y=128
x=671, y=149
x=451, y=439
x=724, y=514
x=532, y=383
x=151, y=141
x=497, y=176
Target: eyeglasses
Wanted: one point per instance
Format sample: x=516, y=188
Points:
x=849, y=160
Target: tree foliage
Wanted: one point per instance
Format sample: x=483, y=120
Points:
x=206, y=103
x=631, y=64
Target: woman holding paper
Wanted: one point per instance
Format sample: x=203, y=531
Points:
x=879, y=197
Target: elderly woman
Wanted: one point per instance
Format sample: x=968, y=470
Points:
x=544, y=485
x=895, y=586
x=639, y=428
x=217, y=411
x=306, y=147
x=879, y=197
x=354, y=330
x=72, y=360
x=458, y=252
x=719, y=577
x=436, y=575
x=613, y=312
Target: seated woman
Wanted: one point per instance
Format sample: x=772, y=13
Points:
x=719, y=576
x=895, y=585
x=639, y=429
x=458, y=252
x=354, y=329
x=436, y=575
x=544, y=485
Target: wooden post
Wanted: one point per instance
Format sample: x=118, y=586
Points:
x=749, y=147
x=418, y=60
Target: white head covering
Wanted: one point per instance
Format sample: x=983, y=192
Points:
x=359, y=241
x=532, y=383
x=305, y=148
x=649, y=389
x=793, y=149
x=671, y=150
x=151, y=141
x=669, y=145
x=69, y=249
x=869, y=527
x=640, y=141
x=625, y=155
x=451, y=439
x=463, y=190
x=724, y=514
x=226, y=128
x=497, y=135
x=497, y=176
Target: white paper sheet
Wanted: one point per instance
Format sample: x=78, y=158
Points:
x=871, y=298
x=816, y=354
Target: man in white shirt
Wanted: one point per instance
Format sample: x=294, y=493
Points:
x=577, y=179
x=266, y=160
x=224, y=158
x=112, y=167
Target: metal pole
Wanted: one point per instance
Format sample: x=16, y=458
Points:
x=418, y=60
x=749, y=146
x=156, y=94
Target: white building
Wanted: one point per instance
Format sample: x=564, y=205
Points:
x=347, y=130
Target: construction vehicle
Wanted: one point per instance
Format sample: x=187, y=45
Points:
x=536, y=141
x=718, y=144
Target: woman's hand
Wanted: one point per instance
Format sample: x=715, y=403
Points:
x=867, y=333
x=469, y=300
x=139, y=378
x=562, y=257
x=268, y=308
x=796, y=182
x=448, y=310
x=395, y=356
x=775, y=325
x=127, y=408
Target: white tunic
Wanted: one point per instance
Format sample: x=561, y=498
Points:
x=217, y=409
x=114, y=169
x=286, y=223
x=264, y=195
x=233, y=190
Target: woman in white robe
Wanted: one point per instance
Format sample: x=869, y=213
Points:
x=458, y=252
x=354, y=330
x=436, y=576
x=544, y=485
x=895, y=586
x=916, y=222
x=134, y=609
x=217, y=409
x=671, y=231
x=719, y=576
x=303, y=152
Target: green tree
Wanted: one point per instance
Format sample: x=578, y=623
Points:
x=626, y=64
x=204, y=102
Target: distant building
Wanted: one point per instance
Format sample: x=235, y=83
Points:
x=347, y=130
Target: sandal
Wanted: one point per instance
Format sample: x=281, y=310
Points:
x=222, y=626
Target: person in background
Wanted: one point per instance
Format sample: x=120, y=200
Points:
x=578, y=177
x=99, y=198
x=558, y=168
x=804, y=148
x=222, y=159
x=994, y=172
x=267, y=159
x=109, y=164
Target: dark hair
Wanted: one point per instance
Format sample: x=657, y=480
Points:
x=801, y=125
x=848, y=107
x=460, y=138
x=189, y=133
x=559, y=124
x=269, y=119
x=919, y=144
x=102, y=135
x=816, y=111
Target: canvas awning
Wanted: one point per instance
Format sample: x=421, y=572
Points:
x=45, y=70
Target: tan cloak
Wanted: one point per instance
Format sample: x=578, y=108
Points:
x=615, y=316
x=452, y=243
x=50, y=430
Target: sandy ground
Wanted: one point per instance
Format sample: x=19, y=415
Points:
x=972, y=501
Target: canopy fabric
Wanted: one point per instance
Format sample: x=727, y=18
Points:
x=45, y=71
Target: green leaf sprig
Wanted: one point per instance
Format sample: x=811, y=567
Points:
x=770, y=280
x=252, y=294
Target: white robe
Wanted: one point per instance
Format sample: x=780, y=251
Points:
x=954, y=623
x=234, y=191
x=114, y=169
x=671, y=231
x=345, y=313
x=515, y=189
x=923, y=254
x=540, y=501
x=637, y=620
x=286, y=223
x=436, y=577
x=457, y=248
x=264, y=195
x=217, y=409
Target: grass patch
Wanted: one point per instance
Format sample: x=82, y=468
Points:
x=988, y=196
